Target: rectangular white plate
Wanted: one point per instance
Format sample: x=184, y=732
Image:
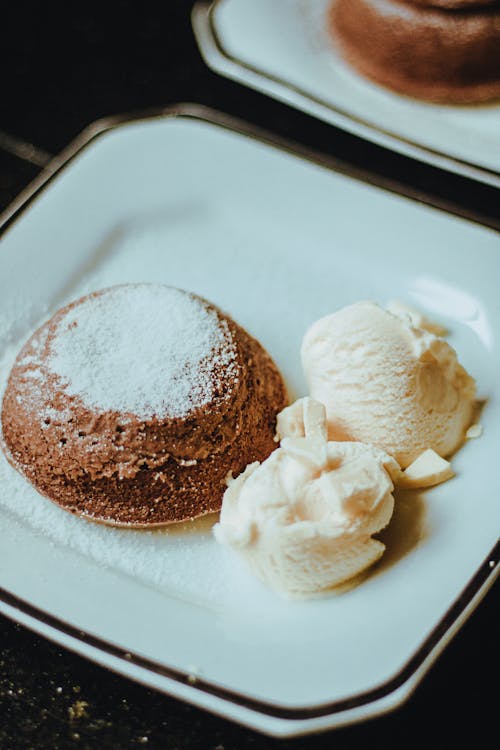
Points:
x=276, y=240
x=282, y=47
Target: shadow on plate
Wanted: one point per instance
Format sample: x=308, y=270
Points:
x=407, y=529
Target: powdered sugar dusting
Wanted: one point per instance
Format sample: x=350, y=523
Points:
x=144, y=349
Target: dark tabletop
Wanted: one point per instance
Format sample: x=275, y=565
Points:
x=59, y=73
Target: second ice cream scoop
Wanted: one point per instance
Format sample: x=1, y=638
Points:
x=304, y=518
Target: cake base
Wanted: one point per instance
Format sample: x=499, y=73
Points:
x=127, y=470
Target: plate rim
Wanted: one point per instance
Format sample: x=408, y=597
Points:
x=415, y=668
x=210, y=115
x=225, y=63
x=413, y=671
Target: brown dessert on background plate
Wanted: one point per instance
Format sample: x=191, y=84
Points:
x=131, y=405
x=455, y=4
x=440, y=50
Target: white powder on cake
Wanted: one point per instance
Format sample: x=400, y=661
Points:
x=145, y=349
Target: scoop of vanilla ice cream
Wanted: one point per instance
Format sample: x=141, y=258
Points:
x=387, y=382
x=304, y=518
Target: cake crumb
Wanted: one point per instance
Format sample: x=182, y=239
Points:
x=78, y=710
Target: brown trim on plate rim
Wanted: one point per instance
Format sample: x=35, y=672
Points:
x=460, y=166
x=481, y=580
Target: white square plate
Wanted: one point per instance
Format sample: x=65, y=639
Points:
x=277, y=241
x=282, y=47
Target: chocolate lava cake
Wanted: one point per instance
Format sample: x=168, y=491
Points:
x=440, y=50
x=131, y=405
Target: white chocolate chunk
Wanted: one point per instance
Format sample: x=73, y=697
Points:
x=427, y=470
x=290, y=422
x=474, y=431
x=314, y=419
x=304, y=418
